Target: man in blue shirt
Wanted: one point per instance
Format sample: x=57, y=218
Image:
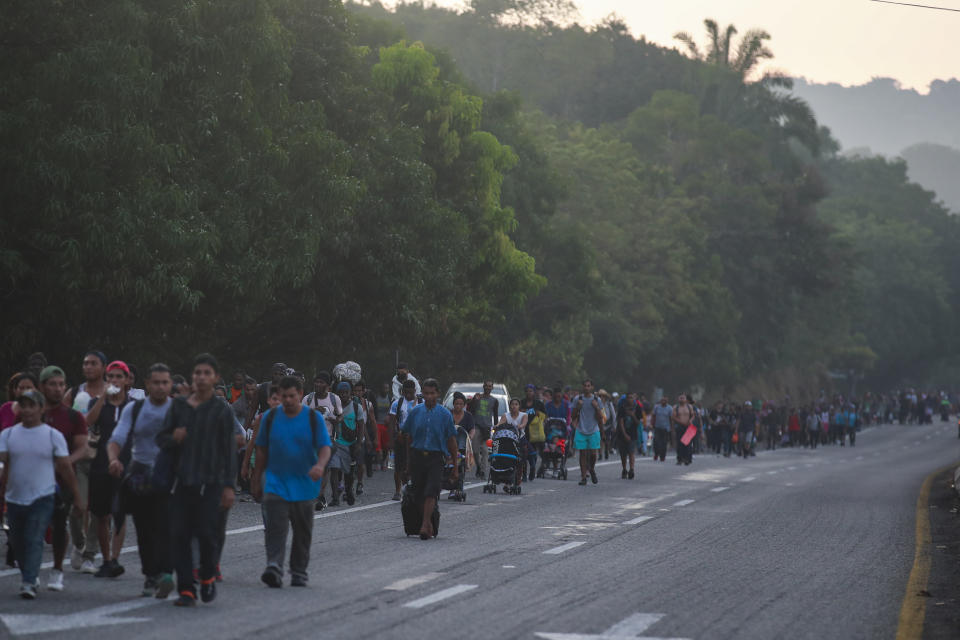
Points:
x=429, y=432
x=293, y=448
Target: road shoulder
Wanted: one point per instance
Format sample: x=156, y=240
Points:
x=943, y=602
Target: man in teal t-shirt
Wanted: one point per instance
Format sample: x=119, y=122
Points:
x=293, y=448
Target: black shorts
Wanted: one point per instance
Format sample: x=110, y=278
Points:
x=426, y=473
x=103, y=489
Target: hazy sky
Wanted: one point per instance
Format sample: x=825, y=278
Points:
x=845, y=41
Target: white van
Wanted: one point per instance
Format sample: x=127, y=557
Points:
x=470, y=389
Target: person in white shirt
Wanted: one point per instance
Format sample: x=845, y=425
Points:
x=34, y=454
x=329, y=405
x=403, y=374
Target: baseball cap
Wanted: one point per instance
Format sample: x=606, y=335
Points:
x=119, y=364
x=51, y=371
x=31, y=395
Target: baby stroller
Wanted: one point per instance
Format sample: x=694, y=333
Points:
x=456, y=488
x=553, y=460
x=504, y=461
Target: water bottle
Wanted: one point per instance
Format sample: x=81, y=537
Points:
x=81, y=402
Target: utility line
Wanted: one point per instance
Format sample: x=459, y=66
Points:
x=921, y=6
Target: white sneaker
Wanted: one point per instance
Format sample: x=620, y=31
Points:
x=55, y=582
x=88, y=567
x=28, y=591
x=76, y=559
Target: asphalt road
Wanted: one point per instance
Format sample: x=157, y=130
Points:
x=790, y=544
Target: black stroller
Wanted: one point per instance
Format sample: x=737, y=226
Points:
x=504, y=461
x=553, y=459
x=456, y=488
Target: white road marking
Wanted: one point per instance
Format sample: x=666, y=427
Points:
x=719, y=489
x=791, y=468
x=772, y=473
x=639, y=520
x=509, y=566
x=707, y=476
x=859, y=458
x=748, y=479
x=629, y=628
x=564, y=547
x=20, y=624
x=407, y=583
x=683, y=503
x=440, y=596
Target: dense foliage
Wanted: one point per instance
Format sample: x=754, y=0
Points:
x=487, y=192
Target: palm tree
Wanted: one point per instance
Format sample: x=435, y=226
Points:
x=761, y=103
x=749, y=52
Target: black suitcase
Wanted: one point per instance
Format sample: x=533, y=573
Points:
x=412, y=514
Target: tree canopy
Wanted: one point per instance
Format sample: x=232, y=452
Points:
x=499, y=192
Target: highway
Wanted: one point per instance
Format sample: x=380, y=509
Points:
x=793, y=543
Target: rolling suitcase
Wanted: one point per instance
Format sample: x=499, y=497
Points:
x=412, y=516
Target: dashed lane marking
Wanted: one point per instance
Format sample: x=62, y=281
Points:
x=639, y=520
x=719, y=489
x=440, y=596
x=748, y=479
x=683, y=503
x=564, y=547
x=407, y=583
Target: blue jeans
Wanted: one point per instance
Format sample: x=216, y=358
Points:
x=28, y=524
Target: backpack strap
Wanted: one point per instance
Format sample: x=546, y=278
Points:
x=137, y=408
x=313, y=427
x=268, y=425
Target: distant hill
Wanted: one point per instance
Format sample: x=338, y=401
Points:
x=884, y=118
x=936, y=167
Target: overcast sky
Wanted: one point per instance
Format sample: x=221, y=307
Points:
x=845, y=41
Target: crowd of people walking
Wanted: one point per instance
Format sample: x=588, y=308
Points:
x=174, y=454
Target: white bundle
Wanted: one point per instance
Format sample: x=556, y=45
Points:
x=349, y=371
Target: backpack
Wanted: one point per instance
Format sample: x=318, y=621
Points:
x=268, y=425
x=600, y=414
x=535, y=426
x=400, y=403
x=345, y=433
